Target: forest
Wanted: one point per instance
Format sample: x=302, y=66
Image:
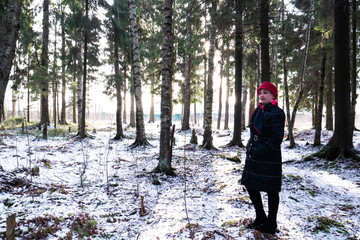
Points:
x=181, y=79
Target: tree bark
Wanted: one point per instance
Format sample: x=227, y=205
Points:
x=205, y=87
x=54, y=80
x=208, y=139
x=220, y=89
x=7, y=48
x=132, y=103
x=227, y=73
x=342, y=137
x=187, y=88
x=124, y=101
x=165, y=155
x=118, y=84
x=329, y=99
x=354, y=65
x=81, y=131
x=140, y=126
x=264, y=41
x=63, y=63
x=252, y=97
x=79, y=87
x=318, y=123
x=236, y=140
x=243, y=104
x=74, y=96
x=44, y=100
x=152, y=107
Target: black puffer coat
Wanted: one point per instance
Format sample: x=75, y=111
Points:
x=263, y=166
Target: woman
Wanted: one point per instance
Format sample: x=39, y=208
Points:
x=262, y=171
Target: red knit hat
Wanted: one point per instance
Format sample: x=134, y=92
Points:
x=269, y=86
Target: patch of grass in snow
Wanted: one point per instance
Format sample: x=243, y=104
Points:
x=57, y=132
x=313, y=192
x=39, y=227
x=325, y=224
x=346, y=207
x=84, y=226
x=291, y=177
x=242, y=199
x=231, y=223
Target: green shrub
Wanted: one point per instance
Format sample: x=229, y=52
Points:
x=57, y=132
x=13, y=121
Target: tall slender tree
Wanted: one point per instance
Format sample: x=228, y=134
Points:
x=136, y=71
x=208, y=139
x=7, y=47
x=44, y=100
x=165, y=155
x=354, y=62
x=187, y=79
x=81, y=126
x=236, y=140
x=318, y=121
x=264, y=41
x=340, y=146
x=63, y=65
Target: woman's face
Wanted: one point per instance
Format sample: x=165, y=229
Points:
x=265, y=96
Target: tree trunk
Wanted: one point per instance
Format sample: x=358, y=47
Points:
x=220, y=90
x=140, y=126
x=302, y=76
x=343, y=128
x=7, y=48
x=79, y=86
x=340, y=145
x=252, y=97
x=125, y=90
x=195, y=121
x=132, y=103
x=63, y=63
x=243, y=104
x=165, y=156
x=81, y=131
x=205, y=87
x=152, y=107
x=329, y=100
x=54, y=80
x=118, y=83
x=264, y=41
x=227, y=73
x=187, y=88
x=44, y=100
x=74, y=99
x=286, y=87
x=318, y=122
x=236, y=140
x=208, y=139
x=28, y=90
x=315, y=100
x=354, y=65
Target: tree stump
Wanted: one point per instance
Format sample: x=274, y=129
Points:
x=193, y=139
x=10, y=227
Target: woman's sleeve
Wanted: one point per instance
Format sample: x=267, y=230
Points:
x=277, y=124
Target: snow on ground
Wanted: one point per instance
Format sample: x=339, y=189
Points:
x=94, y=188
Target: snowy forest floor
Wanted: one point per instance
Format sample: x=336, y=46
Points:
x=94, y=189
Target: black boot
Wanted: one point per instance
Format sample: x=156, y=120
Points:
x=268, y=227
x=258, y=222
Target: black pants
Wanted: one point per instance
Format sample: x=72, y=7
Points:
x=273, y=202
